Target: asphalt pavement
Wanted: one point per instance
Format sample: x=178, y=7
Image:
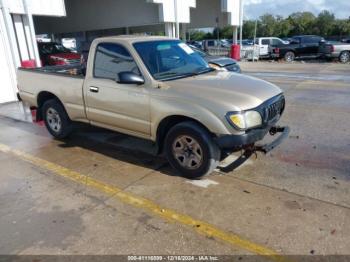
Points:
x=101, y=192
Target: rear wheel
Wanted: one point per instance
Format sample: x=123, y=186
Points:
x=56, y=119
x=191, y=150
x=289, y=56
x=344, y=57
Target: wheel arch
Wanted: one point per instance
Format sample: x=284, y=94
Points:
x=170, y=121
x=290, y=50
x=41, y=99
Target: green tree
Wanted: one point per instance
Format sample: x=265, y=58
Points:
x=266, y=25
x=325, y=23
x=197, y=35
x=226, y=32
x=282, y=27
x=301, y=23
x=248, y=29
x=341, y=28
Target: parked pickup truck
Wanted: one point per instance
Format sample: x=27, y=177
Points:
x=158, y=89
x=304, y=46
x=336, y=50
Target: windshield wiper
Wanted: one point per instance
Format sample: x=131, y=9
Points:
x=174, y=75
x=203, y=71
x=167, y=74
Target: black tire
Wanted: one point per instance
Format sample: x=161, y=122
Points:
x=344, y=57
x=289, y=56
x=209, y=151
x=54, y=109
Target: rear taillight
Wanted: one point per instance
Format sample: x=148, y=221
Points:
x=332, y=48
x=277, y=50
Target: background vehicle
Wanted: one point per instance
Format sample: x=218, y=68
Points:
x=69, y=43
x=265, y=44
x=346, y=40
x=197, y=44
x=158, y=89
x=305, y=46
x=336, y=50
x=56, y=54
x=219, y=63
x=210, y=43
x=244, y=42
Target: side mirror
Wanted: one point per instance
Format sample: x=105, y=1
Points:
x=322, y=42
x=130, y=78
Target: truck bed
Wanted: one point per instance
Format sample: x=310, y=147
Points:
x=65, y=70
x=334, y=48
x=65, y=82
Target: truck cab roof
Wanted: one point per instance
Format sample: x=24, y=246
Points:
x=133, y=38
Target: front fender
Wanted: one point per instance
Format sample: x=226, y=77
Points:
x=166, y=107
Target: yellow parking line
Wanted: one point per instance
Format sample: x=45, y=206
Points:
x=136, y=201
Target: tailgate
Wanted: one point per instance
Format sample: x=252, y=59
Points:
x=326, y=49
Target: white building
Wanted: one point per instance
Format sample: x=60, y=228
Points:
x=22, y=20
x=17, y=38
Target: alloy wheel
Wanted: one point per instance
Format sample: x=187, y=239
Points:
x=53, y=120
x=188, y=152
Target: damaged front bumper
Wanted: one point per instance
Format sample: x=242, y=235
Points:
x=273, y=131
x=234, y=142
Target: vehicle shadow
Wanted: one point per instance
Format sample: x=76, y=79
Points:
x=131, y=150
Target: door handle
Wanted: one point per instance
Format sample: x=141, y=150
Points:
x=94, y=89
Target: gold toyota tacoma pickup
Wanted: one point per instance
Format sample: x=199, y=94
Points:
x=158, y=89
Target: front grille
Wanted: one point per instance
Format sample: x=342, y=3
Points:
x=275, y=109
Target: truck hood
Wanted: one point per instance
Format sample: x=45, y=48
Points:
x=233, y=91
x=221, y=61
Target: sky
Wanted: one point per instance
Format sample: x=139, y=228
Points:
x=256, y=8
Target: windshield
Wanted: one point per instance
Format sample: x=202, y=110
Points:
x=197, y=50
x=51, y=49
x=171, y=59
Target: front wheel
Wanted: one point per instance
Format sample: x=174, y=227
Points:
x=344, y=57
x=289, y=57
x=191, y=150
x=56, y=119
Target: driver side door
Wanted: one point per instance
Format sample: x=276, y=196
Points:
x=121, y=107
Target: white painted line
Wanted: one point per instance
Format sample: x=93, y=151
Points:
x=205, y=183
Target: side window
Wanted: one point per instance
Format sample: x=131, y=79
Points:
x=276, y=42
x=317, y=39
x=295, y=40
x=310, y=40
x=265, y=42
x=111, y=59
x=211, y=43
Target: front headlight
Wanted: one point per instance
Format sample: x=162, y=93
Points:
x=245, y=120
x=234, y=68
x=216, y=67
